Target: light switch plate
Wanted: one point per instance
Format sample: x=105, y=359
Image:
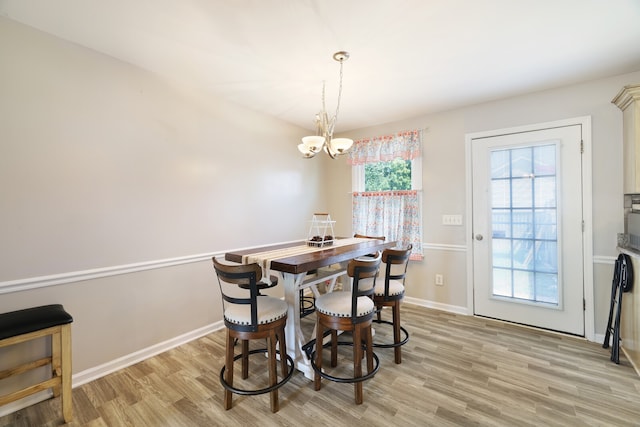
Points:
x=451, y=219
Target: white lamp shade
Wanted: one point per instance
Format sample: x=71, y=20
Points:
x=341, y=145
x=313, y=143
x=305, y=151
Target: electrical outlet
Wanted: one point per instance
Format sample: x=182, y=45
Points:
x=439, y=280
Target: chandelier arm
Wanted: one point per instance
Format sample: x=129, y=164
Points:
x=333, y=156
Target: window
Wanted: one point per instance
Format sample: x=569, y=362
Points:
x=387, y=183
x=387, y=176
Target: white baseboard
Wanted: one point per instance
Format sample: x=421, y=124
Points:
x=138, y=356
x=437, y=306
x=599, y=338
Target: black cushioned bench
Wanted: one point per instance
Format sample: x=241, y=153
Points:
x=37, y=322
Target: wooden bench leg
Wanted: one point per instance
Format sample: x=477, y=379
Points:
x=67, y=399
x=56, y=360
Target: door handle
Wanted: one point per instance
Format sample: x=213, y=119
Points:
x=479, y=237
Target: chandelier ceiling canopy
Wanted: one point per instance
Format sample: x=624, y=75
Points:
x=325, y=124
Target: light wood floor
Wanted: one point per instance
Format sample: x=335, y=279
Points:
x=456, y=371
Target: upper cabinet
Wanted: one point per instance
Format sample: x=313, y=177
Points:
x=628, y=100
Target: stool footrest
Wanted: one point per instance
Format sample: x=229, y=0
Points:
x=27, y=391
x=25, y=368
x=403, y=341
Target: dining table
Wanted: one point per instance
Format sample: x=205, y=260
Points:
x=303, y=265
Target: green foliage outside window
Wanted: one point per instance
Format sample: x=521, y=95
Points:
x=387, y=176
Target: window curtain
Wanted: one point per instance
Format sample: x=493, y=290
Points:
x=393, y=214
x=397, y=215
x=406, y=145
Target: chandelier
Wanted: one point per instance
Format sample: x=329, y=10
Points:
x=323, y=139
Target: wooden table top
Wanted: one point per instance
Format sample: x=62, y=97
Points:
x=310, y=261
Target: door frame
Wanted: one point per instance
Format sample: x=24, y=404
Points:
x=587, y=212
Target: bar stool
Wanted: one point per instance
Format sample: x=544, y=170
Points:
x=249, y=316
x=349, y=311
x=389, y=292
x=37, y=322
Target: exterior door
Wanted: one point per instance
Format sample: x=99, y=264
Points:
x=528, y=228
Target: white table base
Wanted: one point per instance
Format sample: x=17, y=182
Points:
x=293, y=284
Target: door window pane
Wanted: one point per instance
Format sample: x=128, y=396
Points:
x=502, y=253
x=501, y=221
x=521, y=162
x=545, y=192
x=545, y=161
x=521, y=192
x=545, y=223
x=522, y=254
x=524, y=285
x=500, y=165
x=500, y=193
x=522, y=224
x=502, y=282
x=547, y=287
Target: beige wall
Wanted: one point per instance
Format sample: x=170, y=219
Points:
x=444, y=181
x=104, y=166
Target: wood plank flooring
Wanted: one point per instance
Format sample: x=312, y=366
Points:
x=456, y=371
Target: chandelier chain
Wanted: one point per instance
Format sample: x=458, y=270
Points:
x=329, y=125
x=339, y=95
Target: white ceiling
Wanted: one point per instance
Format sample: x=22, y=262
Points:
x=408, y=57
